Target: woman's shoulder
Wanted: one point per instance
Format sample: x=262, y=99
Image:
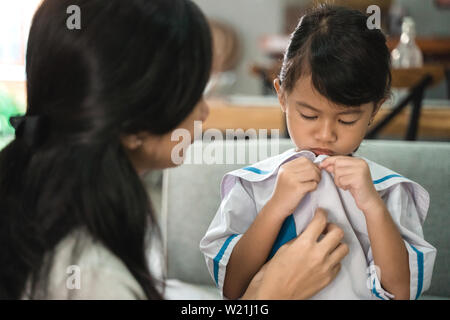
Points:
x=83, y=268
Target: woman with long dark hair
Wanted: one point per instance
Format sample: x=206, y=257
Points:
x=102, y=103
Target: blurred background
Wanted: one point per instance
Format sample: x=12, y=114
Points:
x=249, y=39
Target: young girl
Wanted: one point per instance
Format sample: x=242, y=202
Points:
x=334, y=78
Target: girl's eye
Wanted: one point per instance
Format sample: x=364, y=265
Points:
x=308, y=117
x=348, y=123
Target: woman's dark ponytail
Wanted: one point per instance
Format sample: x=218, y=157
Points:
x=123, y=72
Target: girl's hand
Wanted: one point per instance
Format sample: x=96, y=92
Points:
x=353, y=174
x=294, y=180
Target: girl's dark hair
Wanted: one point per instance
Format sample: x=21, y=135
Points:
x=349, y=63
x=135, y=65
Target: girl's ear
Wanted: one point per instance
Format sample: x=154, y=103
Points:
x=280, y=94
x=376, y=109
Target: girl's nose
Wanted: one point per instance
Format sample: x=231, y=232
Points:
x=326, y=133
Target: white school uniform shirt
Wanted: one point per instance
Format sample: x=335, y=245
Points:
x=245, y=191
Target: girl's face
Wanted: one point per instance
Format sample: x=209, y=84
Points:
x=148, y=151
x=314, y=123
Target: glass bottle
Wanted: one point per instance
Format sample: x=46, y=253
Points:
x=407, y=54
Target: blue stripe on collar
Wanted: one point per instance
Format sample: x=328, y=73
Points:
x=386, y=178
x=255, y=170
x=259, y=171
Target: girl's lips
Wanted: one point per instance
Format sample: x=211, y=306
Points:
x=322, y=151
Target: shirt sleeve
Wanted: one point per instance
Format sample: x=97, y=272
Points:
x=236, y=213
x=401, y=205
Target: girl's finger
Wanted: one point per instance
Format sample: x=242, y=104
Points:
x=308, y=174
x=325, y=163
x=347, y=162
x=344, y=181
x=329, y=168
x=309, y=186
x=343, y=171
x=297, y=162
x=330, y=160
x=339, y=161
x=312, y=167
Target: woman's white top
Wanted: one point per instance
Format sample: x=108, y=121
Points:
x=96, y=274
x=245, y=191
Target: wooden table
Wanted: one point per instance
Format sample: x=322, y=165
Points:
x=434, y=124
x=224, y=115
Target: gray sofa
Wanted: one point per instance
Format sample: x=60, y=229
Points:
x=190, y=198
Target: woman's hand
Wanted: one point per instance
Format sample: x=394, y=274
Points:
x=294, y=180
x=353, y=174
x=303, y=266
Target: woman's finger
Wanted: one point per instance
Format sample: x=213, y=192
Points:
x=332, y=238
x=335, y=270
x=315, y=227
x=338, y=254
